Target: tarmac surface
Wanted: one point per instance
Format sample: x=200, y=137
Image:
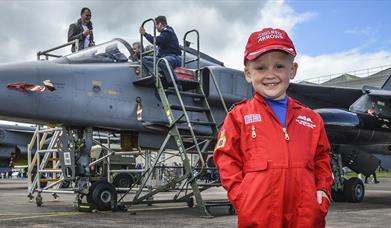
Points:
x=17, y=211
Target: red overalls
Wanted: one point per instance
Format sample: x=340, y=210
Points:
x=271, y=173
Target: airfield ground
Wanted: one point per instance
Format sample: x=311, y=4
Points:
x=17, y=211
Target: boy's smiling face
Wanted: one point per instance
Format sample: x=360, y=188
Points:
x=270, y=74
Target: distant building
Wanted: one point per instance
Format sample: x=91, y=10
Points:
x=341, y=79
x=352, y=81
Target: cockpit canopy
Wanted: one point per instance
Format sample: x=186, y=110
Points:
x=114, y=51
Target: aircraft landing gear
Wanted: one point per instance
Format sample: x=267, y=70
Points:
x=354, y=190
x=123, y=180
x=351, y=190
x=38, y=200
x=190, y=202
x=231, y=210
x=103, y=195
x=337, y=196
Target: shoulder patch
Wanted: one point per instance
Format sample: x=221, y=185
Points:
x=237, y=103
x=221, y=141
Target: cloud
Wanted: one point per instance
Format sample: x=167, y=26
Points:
x=279, y=14
x=41, y=25
x=274, y=13
x=359, y=31
x=351, y=61
x=224, y=26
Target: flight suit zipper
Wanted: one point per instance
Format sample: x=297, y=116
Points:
x=287, y=148
x=285, y=133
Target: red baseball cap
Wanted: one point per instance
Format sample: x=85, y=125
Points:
x=268, y=39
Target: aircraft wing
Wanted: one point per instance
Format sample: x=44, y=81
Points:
x=380, y=93
x=20, y=130
x=17, y=129
x=316, y=96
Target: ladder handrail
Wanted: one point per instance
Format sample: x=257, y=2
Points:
x=184, y=62
x=218, y=89
x=142, y=52
x=183, y=109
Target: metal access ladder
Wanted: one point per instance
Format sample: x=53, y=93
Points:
x=38, y=165
x=194, y=138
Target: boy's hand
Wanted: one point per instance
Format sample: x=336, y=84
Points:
x=319, y=196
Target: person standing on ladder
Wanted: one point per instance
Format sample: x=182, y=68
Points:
x=167, y=43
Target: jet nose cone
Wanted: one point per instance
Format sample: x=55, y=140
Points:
x=13, y=101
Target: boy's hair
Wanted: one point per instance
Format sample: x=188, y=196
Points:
x=266, y=40
x=161, y=19
x=84, y=9
x=290, y=57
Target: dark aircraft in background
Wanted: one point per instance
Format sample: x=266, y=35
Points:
x=13, y=145
x=357, y=124
x=98, y=89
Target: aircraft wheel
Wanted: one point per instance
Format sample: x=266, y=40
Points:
x=65, y=184
x=354, y=190
x=103, y=195
x=337, y=196
x=91, y=190
x=231, y=210
x=190, y=202
x=123, y=180
x=38, y=200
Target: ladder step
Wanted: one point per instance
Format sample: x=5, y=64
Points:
x=190, y=94
x=145, y=81
x=48, y=180
x=50, y=171
x=190, y=108
x=185, y=82
x=202, y=137
x=195, y=152
x=196, y=122
x=209, y=184
x=47, y=151
x=206, y=123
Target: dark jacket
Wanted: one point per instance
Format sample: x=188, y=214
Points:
x=167, y=42
x=75, y=31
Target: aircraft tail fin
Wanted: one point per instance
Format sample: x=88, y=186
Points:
x=387, y=84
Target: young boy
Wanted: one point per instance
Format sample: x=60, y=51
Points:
x=273, y=153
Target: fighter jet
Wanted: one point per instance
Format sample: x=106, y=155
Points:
x=357, y=124
x=102, y=88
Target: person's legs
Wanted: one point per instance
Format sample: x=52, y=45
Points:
x=374, y=178
x=173, y=61
x=147, y=65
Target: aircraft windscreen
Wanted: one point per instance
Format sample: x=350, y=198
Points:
x=114, y=51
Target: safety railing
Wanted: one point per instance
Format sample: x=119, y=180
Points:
x=144, y=53
x=47, y=53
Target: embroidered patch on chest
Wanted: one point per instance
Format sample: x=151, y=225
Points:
x=305, y=121
x=252, y=118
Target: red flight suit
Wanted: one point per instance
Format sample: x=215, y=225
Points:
x=272, y=173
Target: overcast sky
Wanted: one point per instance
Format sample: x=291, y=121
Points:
x=330, y=36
